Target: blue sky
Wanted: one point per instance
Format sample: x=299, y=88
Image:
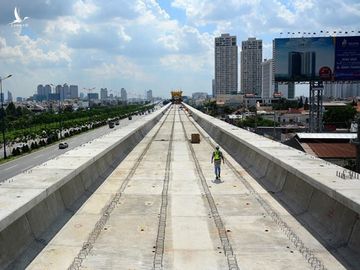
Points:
x=146, y=44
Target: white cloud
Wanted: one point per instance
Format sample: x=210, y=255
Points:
x=195, y=8
x=302, y=5
x=122, y=34
x=9, y=53
x=121, y=67
x=29, y=52
x=63, y=26
x=84, y=8
x=139, y=40
x=181, y=62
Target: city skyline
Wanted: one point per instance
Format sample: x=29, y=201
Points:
x=132, y=44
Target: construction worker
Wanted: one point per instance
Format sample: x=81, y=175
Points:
x=216, y=157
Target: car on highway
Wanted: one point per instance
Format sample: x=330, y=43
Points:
x=63, y=145
x=111, y=124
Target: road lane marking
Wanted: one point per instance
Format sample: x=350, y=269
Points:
x=10, y=167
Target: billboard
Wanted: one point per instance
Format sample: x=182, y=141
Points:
x=317, y=59
x=347, y=58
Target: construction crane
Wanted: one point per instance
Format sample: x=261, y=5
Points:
x=89, y=92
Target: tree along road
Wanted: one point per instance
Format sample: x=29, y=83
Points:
x=23, y=163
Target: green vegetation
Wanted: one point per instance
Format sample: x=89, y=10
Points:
x=22, y=124
x=340, y=117
x=285, y=104
x=210, y=108
x=250, y=122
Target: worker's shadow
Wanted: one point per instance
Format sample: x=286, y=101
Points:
x=217, y=181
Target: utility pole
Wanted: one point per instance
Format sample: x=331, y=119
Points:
x=274, y=125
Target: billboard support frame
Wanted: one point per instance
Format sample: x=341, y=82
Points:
x=316, y=105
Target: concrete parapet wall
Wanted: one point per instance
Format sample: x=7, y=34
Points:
x=31, y=202
x=307, y=186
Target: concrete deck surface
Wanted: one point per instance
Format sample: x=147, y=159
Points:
x=128, y=238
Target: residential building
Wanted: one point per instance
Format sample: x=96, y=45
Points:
x=226, y=65
x=332, y=147
x=291, y=90
x=340, y=90
x=267, y=80
x=43, y=92
x=251, y=57
x=66, y=91
x=59, y=90
x=40, y=90
x=199, y=95
x=74, y=91
x=47, y=91
x=103, y=94
x=149, y=95
x=198, y=98
x=123, y=95
x=93, y=96
x=40, y=93
x=229, y=100
x=54, y=96
x=10, y=97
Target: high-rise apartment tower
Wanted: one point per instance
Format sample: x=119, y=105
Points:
x=226, y=65
x=251, y=57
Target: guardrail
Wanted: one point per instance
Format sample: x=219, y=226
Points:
x=328, y=206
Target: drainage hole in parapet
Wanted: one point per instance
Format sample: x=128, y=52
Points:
x=266, y=230
x=228, y=230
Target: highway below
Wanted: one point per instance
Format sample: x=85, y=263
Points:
x=23, y=163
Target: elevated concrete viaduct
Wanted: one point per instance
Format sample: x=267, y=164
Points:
x=145, y=197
